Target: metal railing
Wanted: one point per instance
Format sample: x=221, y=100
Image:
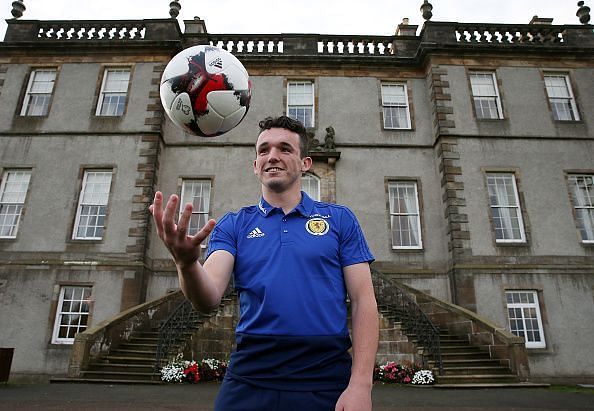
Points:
x=173, y=331
x=403, y=306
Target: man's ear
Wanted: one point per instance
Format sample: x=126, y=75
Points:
x=306, y=164
x=255, y=170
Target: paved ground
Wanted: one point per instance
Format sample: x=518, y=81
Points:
x=201, y=397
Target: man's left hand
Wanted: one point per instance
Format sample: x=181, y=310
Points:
x=354, y=398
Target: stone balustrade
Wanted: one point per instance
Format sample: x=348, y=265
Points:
x=432, y=34
x=509, y=34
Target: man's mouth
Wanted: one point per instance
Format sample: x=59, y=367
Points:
x=273, y=170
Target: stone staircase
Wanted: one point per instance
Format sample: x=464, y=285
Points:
x=133, y=360
x=464, y=363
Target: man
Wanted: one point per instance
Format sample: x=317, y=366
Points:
x=294, y=261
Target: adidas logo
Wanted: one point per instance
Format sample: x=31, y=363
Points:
x=218, y=63
x=255, y=233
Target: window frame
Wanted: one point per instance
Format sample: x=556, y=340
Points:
x=311, y=177
x=103, y=93
x=29, y=94
x=78, y=216
x=56, y=339
x=313, y=101
x=571, y=98
x=184, y=200
x=522, y=306
x=497, y=95
x=385, y=105
x=415, y=184
x=575, y=207
x=5, y=177
x=518, y=206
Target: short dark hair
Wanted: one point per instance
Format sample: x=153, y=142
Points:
x=290, y=124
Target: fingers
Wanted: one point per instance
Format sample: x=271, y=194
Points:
x=157, y=210
x=168, y=222
x=184, y=222
x=204, y=232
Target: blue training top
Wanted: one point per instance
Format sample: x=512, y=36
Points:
x=292, y=332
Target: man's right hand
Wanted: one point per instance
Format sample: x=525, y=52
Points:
x=184, y=248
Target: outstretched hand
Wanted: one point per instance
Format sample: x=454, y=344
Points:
x=184, y=248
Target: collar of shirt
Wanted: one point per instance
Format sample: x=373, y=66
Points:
x=305, y=206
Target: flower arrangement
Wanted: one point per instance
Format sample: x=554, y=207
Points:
x=179, y=370
x=406, y=373
x=423, y=377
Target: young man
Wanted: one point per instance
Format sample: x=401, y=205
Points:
x=294, y=261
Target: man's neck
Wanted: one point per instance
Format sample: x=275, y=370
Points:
x=287, y=200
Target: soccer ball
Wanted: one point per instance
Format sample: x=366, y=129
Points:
x=205, y=90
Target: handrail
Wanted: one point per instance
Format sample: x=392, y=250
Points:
x=173, y=330
x=402, y=304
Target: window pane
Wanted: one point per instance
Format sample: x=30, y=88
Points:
x=93, y=205
x=300, y=102
x=73, y=312
x=196, y=192
x=404, y=215
x=41, y=85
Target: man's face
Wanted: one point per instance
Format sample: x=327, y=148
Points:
x=278, y=164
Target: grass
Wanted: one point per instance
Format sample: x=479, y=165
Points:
x=572, y=388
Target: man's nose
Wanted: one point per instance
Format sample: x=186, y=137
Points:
x=273, y=154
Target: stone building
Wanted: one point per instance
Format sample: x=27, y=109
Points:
x=466, y=150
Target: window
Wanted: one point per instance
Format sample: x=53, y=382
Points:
x=72, y=315
x=561, y=97
x=487, y=103
x=582, y=192
x=112, y=98
x=39, y=92
x=505, y=208
x=92, y=205
x=310, y=184
x=300, y=101
x=524, y=317
x=13, y=191
x=395, y=106
x=404, y=215
x=196, y=192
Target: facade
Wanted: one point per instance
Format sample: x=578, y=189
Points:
x=465, y=150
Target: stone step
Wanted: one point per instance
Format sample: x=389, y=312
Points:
x=458, y=348
x=122, y=367
x=470, y=355
x=477, y=370
x=134, y=353
x=490, y=362
x=103, y=381
x=144, y=340
x=138, y=347
x=119, y=375
x=492, y=385
x=121, y=359
x=477, y=378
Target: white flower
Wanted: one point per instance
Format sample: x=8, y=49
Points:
x=423, y=377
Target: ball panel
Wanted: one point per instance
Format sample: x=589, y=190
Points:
x=224, y=102
x=233, y=120
x=181, y=110
x=210, y=123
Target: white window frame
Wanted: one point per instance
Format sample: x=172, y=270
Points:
x=394, y=106
x=583, y=204
x=201, y=210
x=30, y=104
x=568, y=98
x=409, y=214
x=105, y=109
x=310, y=184
x=78, y=308
x=12, y=201
x=522, y=302
x=101, y=199
x=506, y=206
x=308, y=102
x=477, y=95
